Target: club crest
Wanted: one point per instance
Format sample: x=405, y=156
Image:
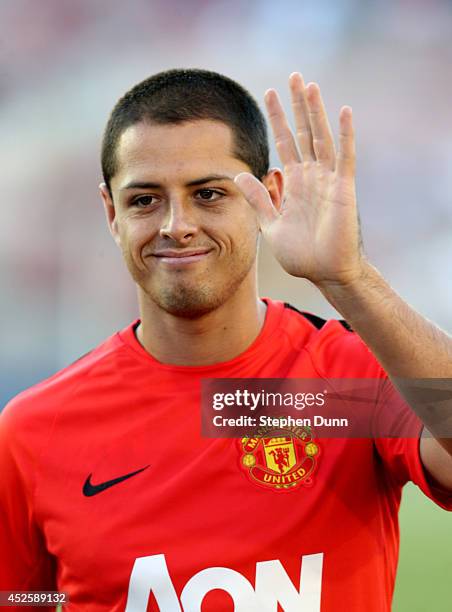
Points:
x=283, y=462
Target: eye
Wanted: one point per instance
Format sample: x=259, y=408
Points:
x=209, y=195
x=143, y=201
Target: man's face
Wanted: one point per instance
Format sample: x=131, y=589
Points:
x=188, y=235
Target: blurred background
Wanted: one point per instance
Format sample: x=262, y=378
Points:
x=63, y=65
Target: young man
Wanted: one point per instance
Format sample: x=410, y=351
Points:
x=109, y=491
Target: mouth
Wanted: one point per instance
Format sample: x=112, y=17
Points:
x=182, y=257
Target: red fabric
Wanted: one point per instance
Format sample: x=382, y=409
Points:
x=118, y=410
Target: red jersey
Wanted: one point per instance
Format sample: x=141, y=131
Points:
x=110, y=493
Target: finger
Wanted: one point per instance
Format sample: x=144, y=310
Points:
x=301, y=116
x=257, y=195
x=346, y=156
x=284, y=139
x=322, y=137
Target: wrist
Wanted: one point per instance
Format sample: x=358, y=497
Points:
x=350, y=285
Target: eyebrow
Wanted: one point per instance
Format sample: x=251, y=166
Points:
x=200, y=181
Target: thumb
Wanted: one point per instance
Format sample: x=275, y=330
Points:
x=258, y=197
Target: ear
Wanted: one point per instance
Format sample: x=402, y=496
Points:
x=274, y=182
x=110, y=213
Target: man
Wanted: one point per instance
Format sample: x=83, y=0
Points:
x=109, y=491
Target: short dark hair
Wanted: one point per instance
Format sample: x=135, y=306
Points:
x=179, y=95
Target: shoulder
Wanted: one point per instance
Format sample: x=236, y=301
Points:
x=335, y=349
x=36, y=406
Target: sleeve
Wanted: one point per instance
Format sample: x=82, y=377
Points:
x=394, y=427
x=400, y=452
x=25, y=563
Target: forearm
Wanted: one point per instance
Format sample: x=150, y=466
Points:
x=406, y=344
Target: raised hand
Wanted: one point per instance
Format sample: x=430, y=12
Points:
x=315, y=233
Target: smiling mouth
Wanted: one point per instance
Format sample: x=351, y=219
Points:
x=180, y=257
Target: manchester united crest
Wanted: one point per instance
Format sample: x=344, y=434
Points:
x=283, y=462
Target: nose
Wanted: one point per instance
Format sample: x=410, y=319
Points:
x=179, y=223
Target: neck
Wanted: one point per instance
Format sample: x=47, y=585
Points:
x=217, y=336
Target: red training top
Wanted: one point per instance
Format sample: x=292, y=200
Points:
x=109, y=492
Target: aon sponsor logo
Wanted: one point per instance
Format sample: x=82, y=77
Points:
x=273, y=586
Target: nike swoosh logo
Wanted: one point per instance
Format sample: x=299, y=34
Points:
x=90, y=489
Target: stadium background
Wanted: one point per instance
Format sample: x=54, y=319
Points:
x=63, y=64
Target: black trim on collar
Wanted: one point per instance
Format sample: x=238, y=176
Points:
x=318, y=322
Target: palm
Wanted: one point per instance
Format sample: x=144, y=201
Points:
x=315, y=233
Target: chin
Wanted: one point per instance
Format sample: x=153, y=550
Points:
x=192, y=299
x=188, y=303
